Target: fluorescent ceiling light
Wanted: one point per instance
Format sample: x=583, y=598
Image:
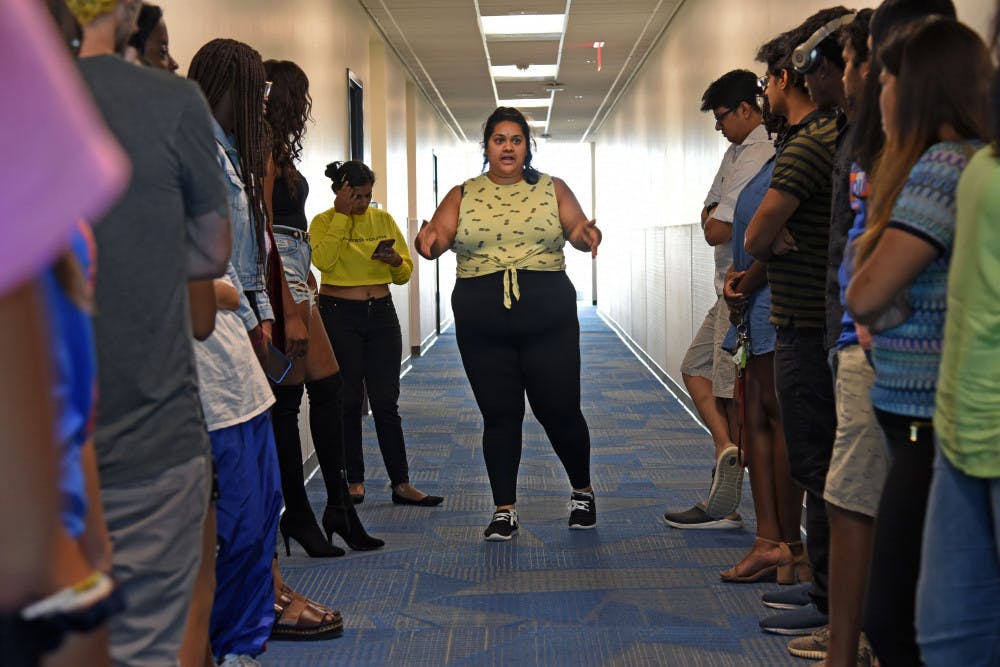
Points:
x=524, y=24
x=501, y=72
x=522, y=103
x=537, y=123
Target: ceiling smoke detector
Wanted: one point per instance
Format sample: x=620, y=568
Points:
x=554, y=87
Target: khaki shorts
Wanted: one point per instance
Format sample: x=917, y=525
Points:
x=705, y=356
x=859, y=463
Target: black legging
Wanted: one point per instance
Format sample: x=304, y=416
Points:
x=899, y=529
x=367, y=340
x=533, y=348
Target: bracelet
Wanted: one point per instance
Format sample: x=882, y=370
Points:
x=80, y=595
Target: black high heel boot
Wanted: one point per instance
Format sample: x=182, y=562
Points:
x=298, y=522
x=309, y=536
x=341, y=517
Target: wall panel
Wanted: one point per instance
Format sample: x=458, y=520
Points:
x=326, y=38
x=663, y=147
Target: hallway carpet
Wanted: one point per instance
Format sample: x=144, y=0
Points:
x=630, y=592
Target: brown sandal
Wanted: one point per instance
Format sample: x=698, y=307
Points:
x=799, y=570
x=775, y=569
x=299, y=619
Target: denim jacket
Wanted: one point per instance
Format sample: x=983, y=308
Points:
x=244, y=257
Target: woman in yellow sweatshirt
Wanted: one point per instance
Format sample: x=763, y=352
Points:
x=359, y=251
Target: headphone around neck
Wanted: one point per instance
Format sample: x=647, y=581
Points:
x=806, y=56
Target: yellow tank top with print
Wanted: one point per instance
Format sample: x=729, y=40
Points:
x=506, y=228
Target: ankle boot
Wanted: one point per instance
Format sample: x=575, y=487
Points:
x=307, y=534
x=341, y=518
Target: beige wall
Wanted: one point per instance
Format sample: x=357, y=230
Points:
x=326, y=38
x=658, y=143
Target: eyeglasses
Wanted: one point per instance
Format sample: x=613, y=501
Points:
x=722, y=116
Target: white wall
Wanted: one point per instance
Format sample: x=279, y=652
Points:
x=656, y=155
x=326, y=38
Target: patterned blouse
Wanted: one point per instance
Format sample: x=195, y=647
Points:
x=907, y=357
x=506, y=228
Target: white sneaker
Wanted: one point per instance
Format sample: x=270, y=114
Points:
x=232, y=660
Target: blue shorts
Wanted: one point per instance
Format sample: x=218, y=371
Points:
x=296, y=257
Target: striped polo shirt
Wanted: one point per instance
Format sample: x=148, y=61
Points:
x=804, y=169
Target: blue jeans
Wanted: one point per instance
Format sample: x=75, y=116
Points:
x=958, y=595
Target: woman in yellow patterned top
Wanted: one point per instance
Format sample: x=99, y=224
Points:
x=515, y=310
x=359, y=250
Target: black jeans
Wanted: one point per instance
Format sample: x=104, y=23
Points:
x=533, y=348
x=366, y=338
x=899, y=530
x=805, y=393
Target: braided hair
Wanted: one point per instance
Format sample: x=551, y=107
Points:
x=227, y=65
x=288, y=109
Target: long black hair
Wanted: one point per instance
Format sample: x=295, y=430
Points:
x=891, y=16
x=512, y=115
x=288, y=109
x=222, y=65
x=149, y=17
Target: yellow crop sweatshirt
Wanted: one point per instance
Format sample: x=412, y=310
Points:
x=342, y=248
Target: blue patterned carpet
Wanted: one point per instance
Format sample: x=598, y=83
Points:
x=630, y=592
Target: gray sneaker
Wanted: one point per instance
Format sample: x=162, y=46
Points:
x=789, y=597
x=697, y=518
x=727, y=484
x=802, y=621
x=811, y=646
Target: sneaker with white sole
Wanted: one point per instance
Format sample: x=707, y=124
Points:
x=811, y=646
x=802, y=621
x=583, y=511
x=727, y=484
x=697, y=518
x=791, y=597
x=502, y=526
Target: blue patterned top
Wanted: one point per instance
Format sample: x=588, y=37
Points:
x=907, y=357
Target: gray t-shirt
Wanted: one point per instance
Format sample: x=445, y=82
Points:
x=149, y=416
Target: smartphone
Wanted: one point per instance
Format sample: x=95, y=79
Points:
x=278, y=364
x=383, y=246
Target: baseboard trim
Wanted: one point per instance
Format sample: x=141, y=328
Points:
x=676, y=389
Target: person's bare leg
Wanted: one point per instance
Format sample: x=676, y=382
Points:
x=788, y=495
x=850, y=555
x=196, y=651
x=758, y=453
x=711, y=410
